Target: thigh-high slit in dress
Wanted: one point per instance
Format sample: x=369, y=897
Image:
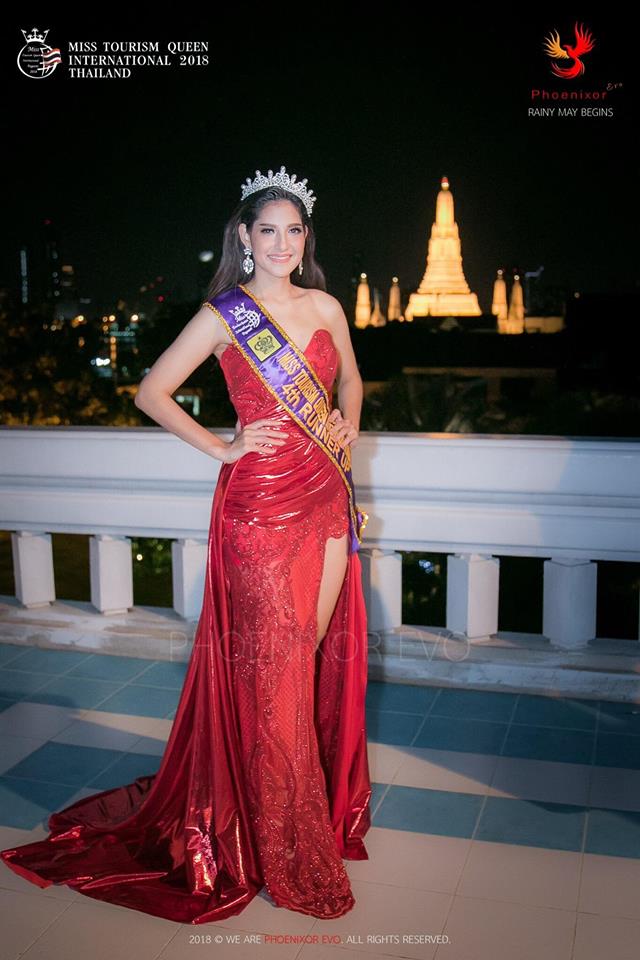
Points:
x=264, y=781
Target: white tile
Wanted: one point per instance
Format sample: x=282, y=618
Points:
x=606, y=938
x=610, y=886
x=158, y=728
x=446, y=770
x=25, y=917
x=125, y=722
x=384, y=912
x=84, y=931
x=519, y=874
x=384, y=761
x=57, y=891
x=494, y=930
x=416, y=860
x=37, y=720
x=543, y=780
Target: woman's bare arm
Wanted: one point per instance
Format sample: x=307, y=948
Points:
x=197, y=341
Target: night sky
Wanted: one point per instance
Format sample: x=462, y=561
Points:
x=141, y=174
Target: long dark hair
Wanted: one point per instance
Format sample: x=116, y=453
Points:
x=230, y=270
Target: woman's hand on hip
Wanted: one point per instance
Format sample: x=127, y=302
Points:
x=343, y=430
x=260, y=436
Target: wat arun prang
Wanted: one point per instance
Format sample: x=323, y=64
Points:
x=444, y=291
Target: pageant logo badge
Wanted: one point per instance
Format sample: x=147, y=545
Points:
x=38, y=59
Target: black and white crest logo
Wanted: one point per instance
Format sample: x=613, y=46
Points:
x=37, y=59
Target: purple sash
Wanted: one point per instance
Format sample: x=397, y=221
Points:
x=288, y=375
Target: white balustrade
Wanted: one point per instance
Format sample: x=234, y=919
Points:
x=188, y=566
x=473, y=498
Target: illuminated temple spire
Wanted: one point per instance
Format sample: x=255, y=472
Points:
x=515, y=318
x=444, y=291
x=394, y=311
x=363, y=303
x=499, y=306
x=378, y=319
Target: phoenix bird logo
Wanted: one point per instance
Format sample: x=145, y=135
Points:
x=552, y=47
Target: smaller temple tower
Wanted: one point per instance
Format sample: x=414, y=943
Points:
x=515, y=317
x=499, y=303
x=363, y=303
x=394, y=311
x=377, y=316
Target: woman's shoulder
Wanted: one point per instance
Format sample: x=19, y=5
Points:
x=324, y=301
x=328, y=307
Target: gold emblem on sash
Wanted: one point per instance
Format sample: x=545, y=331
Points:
x=263, y=344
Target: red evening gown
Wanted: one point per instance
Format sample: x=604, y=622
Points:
x=264, y=780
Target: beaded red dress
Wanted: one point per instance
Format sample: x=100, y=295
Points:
x=264, y=781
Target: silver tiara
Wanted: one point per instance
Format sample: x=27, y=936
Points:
x=280, y=179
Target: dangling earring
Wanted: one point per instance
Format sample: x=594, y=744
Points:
x=300, y=268
x=247, y=263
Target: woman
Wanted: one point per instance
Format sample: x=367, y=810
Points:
x=264, y=780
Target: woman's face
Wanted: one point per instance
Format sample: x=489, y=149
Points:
x=276, y=238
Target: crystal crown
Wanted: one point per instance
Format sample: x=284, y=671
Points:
x=280, y=179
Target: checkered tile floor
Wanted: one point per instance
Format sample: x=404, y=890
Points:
x=504, y=825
